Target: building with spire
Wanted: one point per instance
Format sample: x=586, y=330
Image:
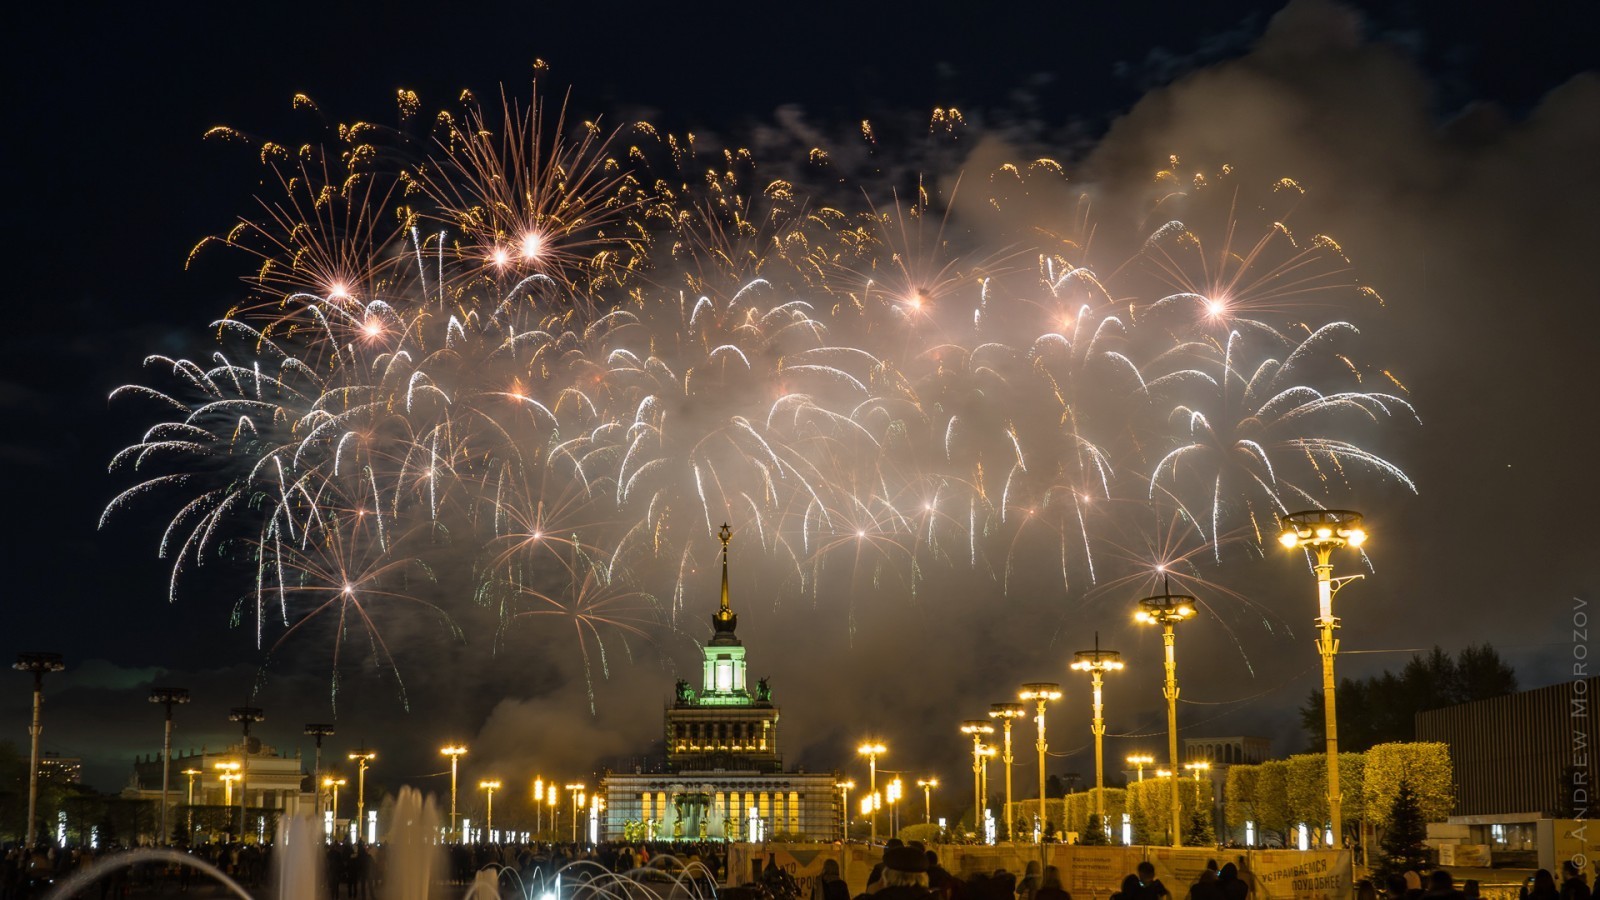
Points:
x=723, y=777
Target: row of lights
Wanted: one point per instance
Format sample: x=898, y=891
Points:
x=1317, y=531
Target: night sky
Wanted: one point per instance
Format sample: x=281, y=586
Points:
x=1452, y=150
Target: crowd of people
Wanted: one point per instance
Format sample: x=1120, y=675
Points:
x=354, y=870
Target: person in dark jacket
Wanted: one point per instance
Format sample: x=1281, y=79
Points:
x=1206, y=886
x=1132, y=889
x=1050, y=886
x=1573, y=885
x=905, y=875
x=1541, y=886
x=1442, y=887
x=830, y=885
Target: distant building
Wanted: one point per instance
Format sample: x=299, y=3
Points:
x=60, y=769
x=1225, y=751
x=267, y=783
x=1519, y=762
x=723, y=776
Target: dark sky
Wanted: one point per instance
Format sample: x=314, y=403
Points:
x=1452, y=148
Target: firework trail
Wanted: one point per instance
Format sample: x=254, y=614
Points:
x=543, y=361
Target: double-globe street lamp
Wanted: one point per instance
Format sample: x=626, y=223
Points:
x=1167, y=610
x=455, y=752
x=362, y=757
x=489, y=786
x=927, y=785
x=844, y=791
x=978, y=728
x=872, y=750
x=1041, y=692
x=1097, y=662
x=575, y=790
x=1005, y=712
x=1139, y=761
x=1321, y=531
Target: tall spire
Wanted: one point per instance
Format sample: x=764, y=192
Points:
x=725, y=620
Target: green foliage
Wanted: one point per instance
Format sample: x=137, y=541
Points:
x=1149, y=804
x=1239, y=796
x=1272, y=799
x=926, y=833
x=1401, y=848
x=1080, y=811
x=1199, y=830
x=1383, y=708
x=1308, y=789
x=1424, y=768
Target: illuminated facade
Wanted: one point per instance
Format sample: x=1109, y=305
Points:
x=724, y=777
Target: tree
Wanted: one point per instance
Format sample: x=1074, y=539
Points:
x=1239, y=796
x=1199, y=831
x=1382, y=709
x=1272, y=799
x=1402, y=848
x=1424, y=768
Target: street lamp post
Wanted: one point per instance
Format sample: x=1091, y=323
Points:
x=1321, y=531
x=333, y=784
x=455, y=752
x=871, y=750
x=189, y=835
x=1139, y=761
x=1042, y=693
x=489, y=786
x=228, y=772
x=575, y=790
x=318, y=731
x=1167, y=610
x=39, y=664
x=844, y=791
x=927, y=785
x=167, y=697
x=978, y=728
x=1005, y=712
x=245, y=716
x=893, y=793
x=1097, y=662
x=986, y=753
x=361, y=757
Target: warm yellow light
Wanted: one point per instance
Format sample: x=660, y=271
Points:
x=846, y=785
x=1289, y=539
x=1324, y=532
x=1356, y=537
x=453, y=750
x=1142, y=617
x=490, y=785
x=871, y=749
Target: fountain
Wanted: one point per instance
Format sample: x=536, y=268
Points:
x=412, y=860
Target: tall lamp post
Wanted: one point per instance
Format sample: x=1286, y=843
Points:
x=575, y=790
x=1097, y=662
x=1005, y=712
x=844, y=791
x=927, y=785
x=1139, y=761
x=168, y=697
x=489, y=786
x=1041, y=692
x=189, y=834
x=455, y=752
x=245, y=716
x=978, y=728
x=228, y=773
x=893, y=793
x=333, y=783
x=871, y=750
x=318, y=731
x=1321, y=531
x=1167, y=610
x=362, y=757
x=39, y=664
